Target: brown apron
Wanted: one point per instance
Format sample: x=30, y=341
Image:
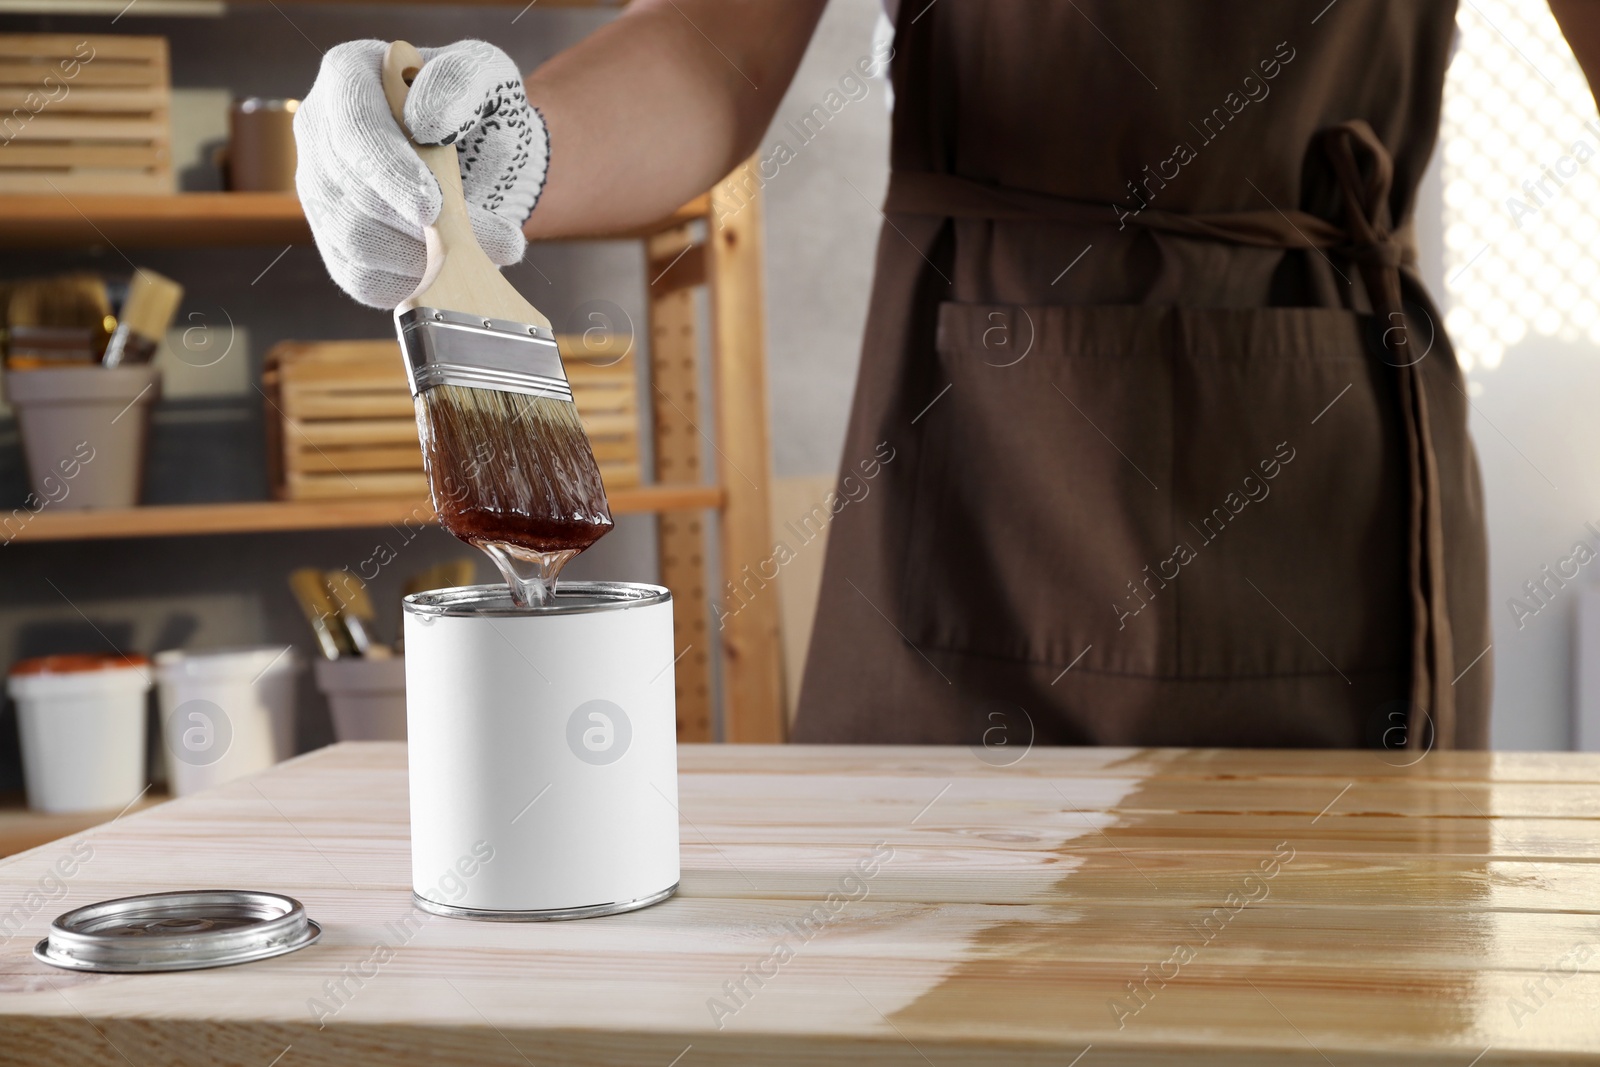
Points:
x=1157, y=438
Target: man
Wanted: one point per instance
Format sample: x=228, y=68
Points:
x=1180, y=451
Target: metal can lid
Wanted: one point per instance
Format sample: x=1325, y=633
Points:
x=179, y=931
x=571, y=598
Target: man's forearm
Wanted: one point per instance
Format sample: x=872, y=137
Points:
x=655, y=107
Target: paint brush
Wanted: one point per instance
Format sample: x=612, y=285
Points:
x=509, y=466
x=147, y=312
x=58, y=320
x=355, y=609
x=310, y=591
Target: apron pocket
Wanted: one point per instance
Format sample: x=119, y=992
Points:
x=1171, y=492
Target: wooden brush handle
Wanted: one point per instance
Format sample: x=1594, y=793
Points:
x=460, y=277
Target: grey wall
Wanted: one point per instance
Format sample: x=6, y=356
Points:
x=822, y=229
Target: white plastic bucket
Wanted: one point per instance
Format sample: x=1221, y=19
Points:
x=225, y=714
x=366, y=697
x=83, y=430
x=543, y=751
x=82, y=726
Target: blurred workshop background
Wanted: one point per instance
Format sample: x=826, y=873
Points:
x=1515, y=267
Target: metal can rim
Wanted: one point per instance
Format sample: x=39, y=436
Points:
x=584, y=911
x=282, y=927
x=473, y=601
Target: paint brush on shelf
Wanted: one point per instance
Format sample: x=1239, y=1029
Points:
x=354, y=607
x=310, y=590
x=57, y=321
x=147, y=312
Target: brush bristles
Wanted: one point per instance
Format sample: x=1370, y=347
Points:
x=71, y=300
x=513, y=455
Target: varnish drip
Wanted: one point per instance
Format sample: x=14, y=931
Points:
x=515, y=476
x=531, y=575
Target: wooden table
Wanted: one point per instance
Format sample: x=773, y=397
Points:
x=1082, y=906
x=22, y=828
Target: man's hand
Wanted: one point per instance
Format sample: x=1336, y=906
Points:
x=367, y=195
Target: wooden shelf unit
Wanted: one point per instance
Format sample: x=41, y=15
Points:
x=275, y=516
x=51, y=220
x=700, y=248
x=485, y=3
x=693, y=249
x=40, y=220
x=687, y=251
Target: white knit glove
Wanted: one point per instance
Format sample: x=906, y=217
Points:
x=368, y=196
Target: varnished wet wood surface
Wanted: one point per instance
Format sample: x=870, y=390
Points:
x=1078, y=907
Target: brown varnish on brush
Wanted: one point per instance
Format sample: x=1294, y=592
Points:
x=513, y=475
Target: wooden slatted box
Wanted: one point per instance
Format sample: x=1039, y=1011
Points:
x=340, y=420
x=85, y=114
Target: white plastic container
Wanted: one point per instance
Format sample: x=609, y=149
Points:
x=366, y=697
x=82, y=726
x=225, y=714
x=543, y=750
x=83, y=430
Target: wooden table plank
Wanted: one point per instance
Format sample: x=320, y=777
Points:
x=1340, y=765
x=1155, y=907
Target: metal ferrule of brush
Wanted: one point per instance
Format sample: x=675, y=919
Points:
x=451, y=348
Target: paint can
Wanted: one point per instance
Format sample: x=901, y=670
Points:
x=543, y=751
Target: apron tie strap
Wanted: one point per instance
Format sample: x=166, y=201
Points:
x=1378, y=256
x=1366, y=214
x=1388, y=253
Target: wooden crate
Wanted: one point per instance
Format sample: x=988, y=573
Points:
x=340, y=421
x=84, y=114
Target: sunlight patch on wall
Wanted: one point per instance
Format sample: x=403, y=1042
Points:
x=1521, y=171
